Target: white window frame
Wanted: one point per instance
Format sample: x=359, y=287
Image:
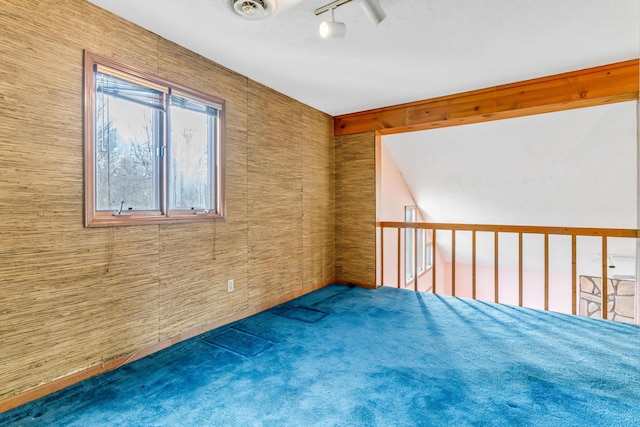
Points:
x=428, y=255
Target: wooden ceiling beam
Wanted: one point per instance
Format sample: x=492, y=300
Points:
x=584, y=88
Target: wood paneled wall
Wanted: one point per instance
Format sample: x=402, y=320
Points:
x=356, y=209
x=73, y=297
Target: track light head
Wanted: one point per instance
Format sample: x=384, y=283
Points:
x=332, y=29
x=373, y=10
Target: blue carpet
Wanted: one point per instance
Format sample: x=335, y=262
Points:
x=385, y=357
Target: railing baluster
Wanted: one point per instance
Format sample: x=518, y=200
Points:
x=495, y=267
x=381, y=256
x=415, y=259
x=399, y=258
x=574, y=275
x=473, y=264
x=520, y=275
x=605, y=279
x=546, y=271
x=433, y=267
x=453, y=263
x=574, y=232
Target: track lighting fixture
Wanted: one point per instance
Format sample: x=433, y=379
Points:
x=332, y=29
x=373, y=10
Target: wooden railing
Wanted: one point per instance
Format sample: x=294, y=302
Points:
x=573, y=232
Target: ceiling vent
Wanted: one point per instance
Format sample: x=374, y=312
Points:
x=253, y=10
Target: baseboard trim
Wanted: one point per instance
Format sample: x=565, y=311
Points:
x=116, y=362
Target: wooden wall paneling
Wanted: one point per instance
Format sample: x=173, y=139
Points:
x=193, y=289
x=356, y=209
x=61, y=307
x=275, y=194
x=318, y=197
x=230, y=244
x=65, y=304
x=128, y=309
x=188, y=285
x=72, y=298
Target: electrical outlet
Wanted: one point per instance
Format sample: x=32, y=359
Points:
x=230, y=285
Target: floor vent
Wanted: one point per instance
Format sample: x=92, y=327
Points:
x=240, y=343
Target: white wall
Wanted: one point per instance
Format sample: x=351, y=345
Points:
x=394, y=196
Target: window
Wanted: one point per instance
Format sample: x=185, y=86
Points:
x=410, y=215
x=421, y=253
x=154, y=150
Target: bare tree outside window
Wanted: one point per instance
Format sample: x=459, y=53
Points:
x=126, y=163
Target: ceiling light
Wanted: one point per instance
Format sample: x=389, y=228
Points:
x=253, y=10
x=373, y=10
x=332, y=29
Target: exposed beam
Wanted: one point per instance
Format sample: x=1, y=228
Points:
x=584, y=88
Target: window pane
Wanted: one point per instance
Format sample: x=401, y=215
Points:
x=409, y=216
x=127, y=135
x=409, y=253
x=191, y=156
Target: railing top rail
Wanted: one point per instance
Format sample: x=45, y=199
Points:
x=525, y=229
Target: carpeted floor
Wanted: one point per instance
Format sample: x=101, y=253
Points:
x=345, y=356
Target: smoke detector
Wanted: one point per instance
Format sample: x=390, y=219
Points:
x=253, y=10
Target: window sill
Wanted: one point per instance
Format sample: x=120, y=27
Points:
x=111, y=220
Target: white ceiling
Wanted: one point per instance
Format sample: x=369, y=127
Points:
x=424, y=49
